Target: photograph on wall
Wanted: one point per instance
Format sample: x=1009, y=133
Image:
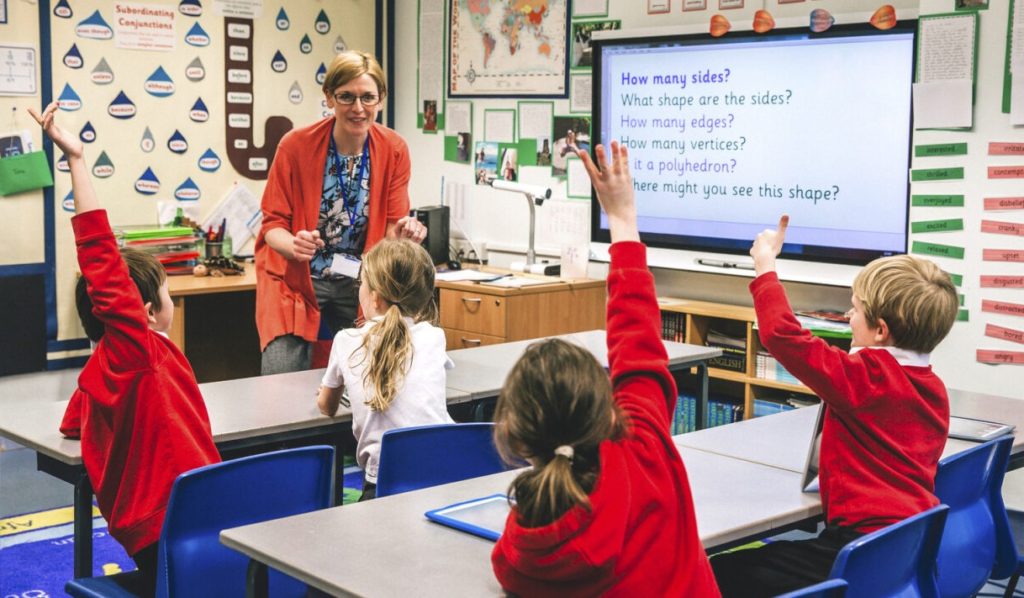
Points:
x=571, y=134
x=581, y=33
x=971, y=5
x=463, y=141
x=544, y=151
x=497, y=49
x=430, y=116
x=485, y=162
x=509, y=170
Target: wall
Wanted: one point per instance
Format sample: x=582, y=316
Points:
x=22, y=219
x=501, y=219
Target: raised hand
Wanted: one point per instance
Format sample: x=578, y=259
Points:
x=614, y=186
x=768, y=245
x=70, y=144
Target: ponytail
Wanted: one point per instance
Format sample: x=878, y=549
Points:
x=389, y=346
x=546, y=492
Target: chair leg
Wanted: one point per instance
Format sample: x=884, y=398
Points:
x=1011, y=585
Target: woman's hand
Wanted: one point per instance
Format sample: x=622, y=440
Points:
x=68, y=143
x=304, y=245
x=408, y=228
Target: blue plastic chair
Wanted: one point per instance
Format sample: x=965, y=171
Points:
x=833, y=588
x=977, y=543
x=896, y=561
x=191, y=560
x=425, y=456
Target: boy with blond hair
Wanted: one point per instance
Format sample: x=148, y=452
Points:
x=886, y=411
x=137, y=409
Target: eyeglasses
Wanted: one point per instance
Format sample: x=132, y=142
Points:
x=347, y=99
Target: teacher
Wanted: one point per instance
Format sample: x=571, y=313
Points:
x=335, y=189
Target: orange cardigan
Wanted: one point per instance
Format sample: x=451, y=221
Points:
x=285, y=301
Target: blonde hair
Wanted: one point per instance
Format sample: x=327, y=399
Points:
x=916, y=299
x=402, y=273
x=352, y=64
x=556, y=395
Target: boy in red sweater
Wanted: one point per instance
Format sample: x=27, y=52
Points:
x=886, y=412
x=137, y=408
x=606, y=508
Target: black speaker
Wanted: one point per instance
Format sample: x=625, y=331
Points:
x=435, y=218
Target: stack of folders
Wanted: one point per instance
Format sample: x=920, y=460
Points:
x=174, y=247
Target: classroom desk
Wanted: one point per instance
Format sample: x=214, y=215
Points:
x=782, y=440
x=386, y=547
x=246, y=416
x=215, y=324
x=481, y=371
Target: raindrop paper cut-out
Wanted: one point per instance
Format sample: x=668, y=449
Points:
x=199, y=112
x=88, y=133
x=122, y=107
x=101, y=74
x=63, y=10
x=821, y=20
x=321, y=74
x=295, y=93
x=73, y=58
x=209, y=161
x=197, y=36
x=339, y=45
x=719, y=26
x=305, y=45
x=68, y=100
x=192, y=8
x=159, y=84
x=884, y=18
x=195, y=71
x=278, y=63
x=68, y=203
x=147, y=184
x=282, y=22
x=177, y=143
x=147, y=143
x=763, y=21
x=94, y=27
x=62, y=164
x=323, y=24
x=103, y=168
x=187, y=191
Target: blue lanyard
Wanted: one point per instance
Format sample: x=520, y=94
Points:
x=342, y=183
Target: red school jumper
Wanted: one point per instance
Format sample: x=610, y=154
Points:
x=640, y=536
x=886, y=422
x=137, y=408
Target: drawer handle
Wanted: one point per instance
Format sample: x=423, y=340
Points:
x=471, y=341
x=476, y=300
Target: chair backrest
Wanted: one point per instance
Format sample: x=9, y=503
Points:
x=424, y=456
x=192, y=561
x=898, y=560
x=832, y=588
x=977, y=542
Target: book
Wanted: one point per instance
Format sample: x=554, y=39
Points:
x=978, y=430
x=484, y=517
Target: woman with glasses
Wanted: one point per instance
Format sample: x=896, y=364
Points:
x=335, y=189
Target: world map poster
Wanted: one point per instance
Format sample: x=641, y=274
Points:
x=508, y=48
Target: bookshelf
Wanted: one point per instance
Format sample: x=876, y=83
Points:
x=738, y=374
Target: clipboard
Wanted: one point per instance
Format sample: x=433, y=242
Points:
x=484, y=517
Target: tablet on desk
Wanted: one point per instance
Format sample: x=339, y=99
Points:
x=484, y=517
x=978, y=430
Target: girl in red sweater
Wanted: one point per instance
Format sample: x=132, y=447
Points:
x=606, y=508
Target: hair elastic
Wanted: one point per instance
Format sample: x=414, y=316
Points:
x=564, y=451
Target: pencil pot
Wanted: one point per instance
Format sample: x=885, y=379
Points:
x=214, y=249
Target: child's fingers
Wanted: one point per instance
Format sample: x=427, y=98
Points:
x=602, y=157
x=588, y=164
x=38, y=117
x=783, y=223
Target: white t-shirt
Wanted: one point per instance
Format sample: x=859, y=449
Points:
x=420, y=400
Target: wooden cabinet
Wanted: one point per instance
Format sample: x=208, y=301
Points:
x=474, y=314
x=697, y=321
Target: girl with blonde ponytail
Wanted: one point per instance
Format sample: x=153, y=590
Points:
x=393, y=366
x=606, y=508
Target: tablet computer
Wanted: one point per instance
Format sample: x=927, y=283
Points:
x=979, y=430
x=484, y=517
x=809, y=482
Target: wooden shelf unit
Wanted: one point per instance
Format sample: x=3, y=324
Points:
x=700, y=315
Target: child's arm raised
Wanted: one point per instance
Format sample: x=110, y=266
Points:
x=636, y=354
x=81, y=184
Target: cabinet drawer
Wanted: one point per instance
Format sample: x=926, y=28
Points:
x=461, y=339
x=473, y=312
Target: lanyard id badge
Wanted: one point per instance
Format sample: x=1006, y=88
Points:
x=350, y=204
x=346, y=265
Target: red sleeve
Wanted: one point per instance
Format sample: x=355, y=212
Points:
x=636, y=353
x=397, y=199
x=279, y=191
x=833, y=374
x=71, y=424
x=115, y=299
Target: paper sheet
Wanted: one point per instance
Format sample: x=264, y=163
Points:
x=943, y=104
x=535, y=119
x=500, y=126
x=431, y=53
x=241, y=210
x=580, y=90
